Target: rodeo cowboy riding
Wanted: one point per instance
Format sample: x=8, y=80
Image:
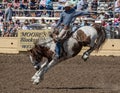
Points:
x=63, y=26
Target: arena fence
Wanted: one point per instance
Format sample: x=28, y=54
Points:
x=26, y=39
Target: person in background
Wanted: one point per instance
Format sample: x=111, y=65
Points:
x=25, y=25
x=42, y=6
x=116, y=20
x=49, y=7
x=24, y=6
x=8, y=12
x=5, y=29
x=4, y=2
x=82, y=5
x=16, y=4
x=53, y=25
x=101, y=16
x=117, y=6
x=17, y=27
x=94, y=5
x=61, y=4
x=33, y=5
x=110, y=8
x=85, y=22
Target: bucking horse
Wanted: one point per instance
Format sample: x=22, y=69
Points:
x=91, y=36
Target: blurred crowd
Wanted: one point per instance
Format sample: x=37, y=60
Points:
x=50, y=8
x=10, y=28
x=106, y=11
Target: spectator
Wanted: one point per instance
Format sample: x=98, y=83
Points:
x=86, y=23
x=16, y=4
x=5, y=29
x=24, y=5
x=110, y=8
x=107, y=15
x=80, y=5
x=33, y=5
x=101, y=16
x=53, y=25
x=104, y=23
x=42, y=21
x=49, y=7
x=94, y=5
x=109, y=28
x=8, y=12
x=74, y=2
x=117, y=6
x=42, y=6
x=116, y=20
x=4, y=2
x=61, y=4
x=11, y=28
x=17, y=24
x=25, y=25
x=32, y=21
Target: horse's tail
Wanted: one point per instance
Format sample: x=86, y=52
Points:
x=101, y=38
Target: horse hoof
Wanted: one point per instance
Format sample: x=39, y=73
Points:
x=85, y=58
x=35, y=83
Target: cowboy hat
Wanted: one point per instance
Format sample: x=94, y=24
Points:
x=68, y=4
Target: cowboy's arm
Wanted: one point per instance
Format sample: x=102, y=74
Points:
x=80, y=13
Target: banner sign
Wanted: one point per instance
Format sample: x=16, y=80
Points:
x=29, y=37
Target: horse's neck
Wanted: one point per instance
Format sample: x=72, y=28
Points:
x=49, y=43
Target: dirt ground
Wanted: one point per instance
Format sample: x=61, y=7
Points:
x=97, y=75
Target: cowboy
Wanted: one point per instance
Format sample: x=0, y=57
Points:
x=67, y=17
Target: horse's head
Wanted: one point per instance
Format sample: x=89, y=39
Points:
x=36, y=56
x=37, y=53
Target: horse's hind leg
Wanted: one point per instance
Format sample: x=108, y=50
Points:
x=87, y=53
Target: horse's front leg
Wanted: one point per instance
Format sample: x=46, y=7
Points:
x=36, y=75
x=43, y=71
